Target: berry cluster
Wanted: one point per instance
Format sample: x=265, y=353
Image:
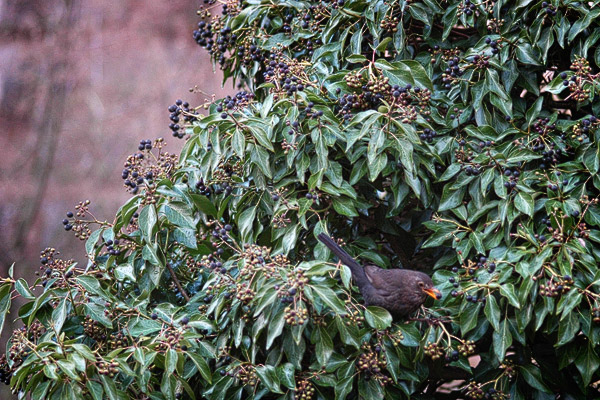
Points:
x=111, y=369
x=231, y=7
x=248, y=52
x=466, y=7
x=556, y=286
x=55, y=268
x=310, y=113
x=354, y=318
x=224, y=174
x=295, y=315
x=117, y=340
x=307, y=47
x=20, y=344
x=579, y=82
x=287, y=146
x=493, y=44
x=452, y=355
x=281, y=220
x=288, y=76
x=142, y=169
x=549, y=9
x=428, y=135
x=582, y=128
x=481, y=61
x=433, y=350
x=390, y=23
x=296, y=281
x=551, y=156
x=247, y=375
x=472, y=170
x=474, y=391
x=93, y=329
x=112, y=247
x=312, y=19
x=466, y=348
x=452, y=73
x=215, y=37
x=495, y=394
x=542, y=126
x=202, y=188
x=495, y=25
x=469, y=274
x=396, y=337
x=76, y=224
x=403, y=102
x=466, y=156
x=221, y=232
x=230, y=104
x=304, y=390
x=513, y=178
x=169, y=340
x=372, y=362
x=209, y=261
x=255, y=259
x=180, y=110
x=244, y=293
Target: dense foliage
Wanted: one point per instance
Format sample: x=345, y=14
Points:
x=454, y=137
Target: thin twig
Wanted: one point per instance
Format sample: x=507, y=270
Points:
x=181, y=290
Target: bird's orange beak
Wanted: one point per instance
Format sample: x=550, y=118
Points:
x=433, y=292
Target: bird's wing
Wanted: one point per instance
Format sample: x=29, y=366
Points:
x=380, y=278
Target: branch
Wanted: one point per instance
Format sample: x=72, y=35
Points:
x=181, y=290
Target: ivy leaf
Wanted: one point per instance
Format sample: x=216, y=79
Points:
x=526, y=54
x=59, y=315
x=330, y=298
x=492, y=81
x=5, y=301
x=567, y=329
x=201, y=364
x=344, y=206
x=502, y=339
x=323, y=345
x=147, y=222
x=492, y=312
x=268, y=377
x=451, y=198
x=378, y=318
x=524, y=203
x=286, y=374
x=587, y=363
x=533, y=377
x=343, y=388
x=96, y=313
x=203, y=204
x=179, y=214
x=22, y=288
x=508, y=290
x=245, y=222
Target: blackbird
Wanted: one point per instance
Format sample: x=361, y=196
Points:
x=400, y=291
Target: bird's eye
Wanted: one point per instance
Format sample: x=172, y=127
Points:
x=421, y=284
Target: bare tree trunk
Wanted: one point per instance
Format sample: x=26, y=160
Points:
x=47, y=129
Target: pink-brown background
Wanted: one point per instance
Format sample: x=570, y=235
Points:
x=81, y=83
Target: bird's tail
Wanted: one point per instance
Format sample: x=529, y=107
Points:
x=357, y=270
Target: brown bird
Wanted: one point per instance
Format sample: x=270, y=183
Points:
x=400, y=291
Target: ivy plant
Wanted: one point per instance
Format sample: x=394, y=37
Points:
x=459, y=138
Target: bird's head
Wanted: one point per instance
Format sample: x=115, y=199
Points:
x=424, y=286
